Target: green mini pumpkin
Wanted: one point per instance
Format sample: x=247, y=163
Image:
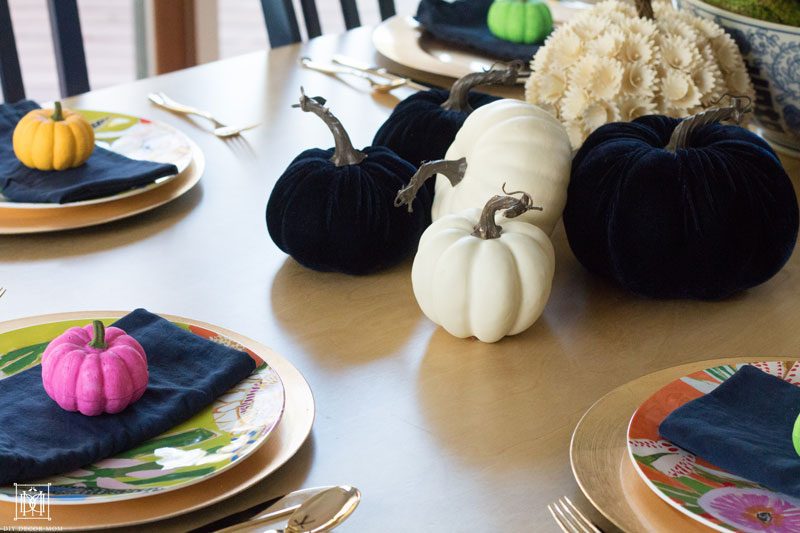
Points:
x=520, y=21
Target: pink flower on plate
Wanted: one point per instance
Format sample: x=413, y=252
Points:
x=753, y=510
x=664, y=456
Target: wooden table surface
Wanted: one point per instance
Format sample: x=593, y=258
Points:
x=439, y=433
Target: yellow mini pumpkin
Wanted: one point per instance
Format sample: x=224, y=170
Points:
x=53, y=139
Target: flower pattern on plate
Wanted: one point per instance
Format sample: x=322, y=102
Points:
x=753, y=510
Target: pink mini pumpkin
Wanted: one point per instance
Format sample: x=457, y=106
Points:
x=94, y=370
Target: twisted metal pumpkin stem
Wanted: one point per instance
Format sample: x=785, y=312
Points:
x=99, y=337
x=344, y=153
x=645, y=9
x=487, y=228
x=738, y=106
x=459, y=93
x=452, y=170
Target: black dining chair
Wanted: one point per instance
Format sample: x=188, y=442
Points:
x=282, y=26
x=65, y=25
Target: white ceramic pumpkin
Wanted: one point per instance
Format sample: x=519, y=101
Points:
x=475, y=278
x=511, y=142
x=506, y=142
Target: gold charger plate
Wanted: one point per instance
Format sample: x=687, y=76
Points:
x=17, y=221
x=286, y=439
x=603, y=469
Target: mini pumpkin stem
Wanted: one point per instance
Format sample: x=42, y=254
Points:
x=344, y=153
x=645, y=9
x=459, y=93
x=452, y=170
x=99, y=337
x=734, y=111
x=487, y=228
x=58, y=113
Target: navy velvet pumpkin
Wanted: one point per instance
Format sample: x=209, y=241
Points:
x=420, y=129
x=333, y=210
x=423, y=126
x=717, y=216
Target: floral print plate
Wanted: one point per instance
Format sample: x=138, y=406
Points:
x=133, y=137
x=716, y=498
x=209, y=443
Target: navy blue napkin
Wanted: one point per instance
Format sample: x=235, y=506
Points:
x=187, y=372
x=104, y=174
x=463, y=23
x=744, y=426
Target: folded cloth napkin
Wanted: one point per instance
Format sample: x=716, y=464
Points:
x=187, y=372
x=744, y=426
x=104, y=174
x=463, y=23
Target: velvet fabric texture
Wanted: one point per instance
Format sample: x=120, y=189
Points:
x=463, y=23
x=744, y=426
x=187, y=372
x=420, y=130
x=104, y=174
x=343, y=219
x=706, y=222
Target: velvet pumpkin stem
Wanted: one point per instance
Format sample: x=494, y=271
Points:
x=735, y=111
x=99, y=337
x=487, y=228
x=344, y=153
x=459, y=93
x=452, y=170
x=58, y=113
x=645, y=9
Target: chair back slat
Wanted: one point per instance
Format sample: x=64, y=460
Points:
x=387, y=9
x=283, y=28
x=281, y=22
x=65, y=24
x=311, y=17
x=350, y=12
x=10, y=73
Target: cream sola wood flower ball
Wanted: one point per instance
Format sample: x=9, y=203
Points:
x=616, y=62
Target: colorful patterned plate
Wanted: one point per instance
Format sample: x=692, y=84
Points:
x=716, y=498
x=223, y=434
x=134, y=137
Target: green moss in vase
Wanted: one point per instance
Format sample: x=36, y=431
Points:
x=778, y=11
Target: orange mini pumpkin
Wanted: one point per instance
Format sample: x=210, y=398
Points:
x=53, y=139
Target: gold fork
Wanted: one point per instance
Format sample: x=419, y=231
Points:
x=220, y=130
x=569, y=518
x=379, y=84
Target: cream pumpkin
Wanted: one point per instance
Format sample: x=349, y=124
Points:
x=53, y=139
x=506, y=142
x=475, y=278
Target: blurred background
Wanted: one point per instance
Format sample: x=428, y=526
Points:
x=130, y=39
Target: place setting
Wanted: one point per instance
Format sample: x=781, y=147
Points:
x=188, y=414
x=454, y=38
x=64, y=169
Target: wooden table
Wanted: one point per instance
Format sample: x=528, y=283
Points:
x=439, y=433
